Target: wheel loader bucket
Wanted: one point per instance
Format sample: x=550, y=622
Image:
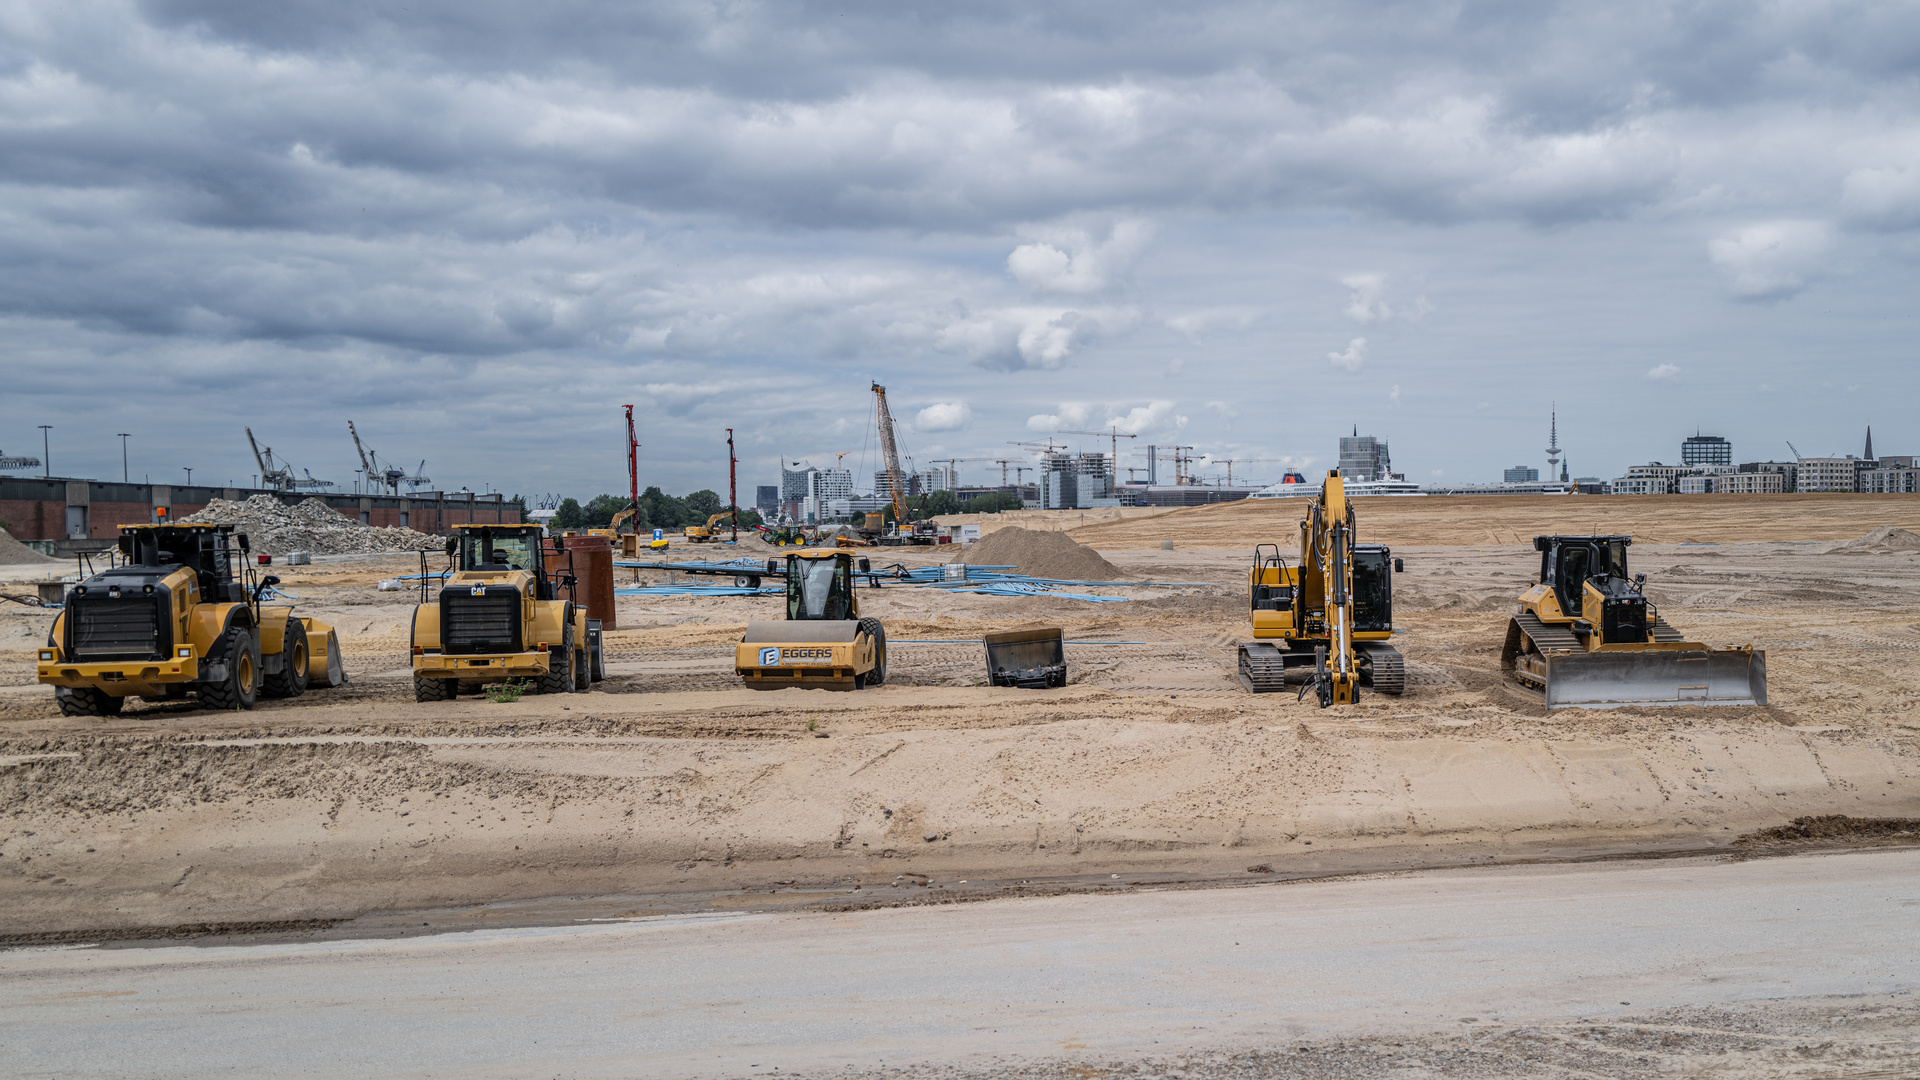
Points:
x=1035, y=659
x=323, y=655
x=1605, y=679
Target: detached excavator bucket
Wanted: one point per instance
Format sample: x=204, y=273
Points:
x=1605, y=679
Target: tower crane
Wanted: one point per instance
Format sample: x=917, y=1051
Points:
x=1113, y=433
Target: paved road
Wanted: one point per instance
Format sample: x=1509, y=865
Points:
x=1099, y=975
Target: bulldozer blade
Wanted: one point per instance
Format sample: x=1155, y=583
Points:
x=1608, y=680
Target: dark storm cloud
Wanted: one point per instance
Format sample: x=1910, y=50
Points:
x=700, y=193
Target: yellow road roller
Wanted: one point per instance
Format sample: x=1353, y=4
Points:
x=823, y=642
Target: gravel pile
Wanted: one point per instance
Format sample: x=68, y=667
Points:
x=275, y=528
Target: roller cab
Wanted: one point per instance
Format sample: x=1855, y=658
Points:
x=823, y=642
x=1586, y=636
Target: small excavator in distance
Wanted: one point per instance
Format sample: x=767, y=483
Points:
x=175, y=618
x=1586, y=636
x=1325, y=623
x=823, y=642
x=499, y=617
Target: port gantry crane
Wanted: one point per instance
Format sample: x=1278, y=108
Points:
x=390, y=475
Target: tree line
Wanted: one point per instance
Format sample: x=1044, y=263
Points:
x=658, y=510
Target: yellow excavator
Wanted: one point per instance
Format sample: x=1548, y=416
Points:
x=710, y=532
x=823, y=642
x=1585, y=636
x=1324, y=623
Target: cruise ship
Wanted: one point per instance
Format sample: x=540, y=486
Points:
x=1295, y=486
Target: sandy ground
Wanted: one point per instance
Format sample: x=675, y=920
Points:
x=1688, y=967
x=669, y=780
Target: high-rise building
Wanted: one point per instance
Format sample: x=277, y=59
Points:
x=1706, y=450
x=793, y=480
x=940, y=478
x=766, y=499
x=1363, y=457
x=1522, y=474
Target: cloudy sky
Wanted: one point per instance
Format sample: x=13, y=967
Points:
x=477, y=228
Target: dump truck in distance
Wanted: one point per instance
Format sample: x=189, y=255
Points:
x=174, y=620
x=499, y=616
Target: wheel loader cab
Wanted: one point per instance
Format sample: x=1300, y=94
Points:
x=496, y=547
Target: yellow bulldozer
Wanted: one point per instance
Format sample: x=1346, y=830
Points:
x=499, y=617
x=1324, y=623
x=175, y=619
x=823, y=642
x=1586, y=636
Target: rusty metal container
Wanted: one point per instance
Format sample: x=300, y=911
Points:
x=593, y=565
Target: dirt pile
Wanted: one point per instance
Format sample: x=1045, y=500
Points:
x=1041, y=554
x=1883, y=540
x=275, y=528
x=15, y=553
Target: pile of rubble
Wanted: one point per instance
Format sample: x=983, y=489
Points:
x=274, y=528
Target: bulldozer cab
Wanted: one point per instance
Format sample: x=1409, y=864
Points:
x=481, y=548
x=207, y=550
x=1568, y=562
x=820, y=586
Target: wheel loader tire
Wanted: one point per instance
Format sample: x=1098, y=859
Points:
x=559, y=676
x=582, y=672
x=873, y=629
x=241, y=687
x=88, y=701
x=435, y=689
x=291, y=680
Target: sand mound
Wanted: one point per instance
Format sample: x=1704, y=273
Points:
x=1884, y=538
x=15, y=553
x=275, y=528
x=1041, y=554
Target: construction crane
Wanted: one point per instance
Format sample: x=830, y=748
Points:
x=1180, y=461
x=1112, y=433
x=389, y=475
x=275, y=477
x=890, y=454
x=955, y=462
x=1231, y=462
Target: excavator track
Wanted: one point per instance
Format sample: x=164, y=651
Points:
x=1386, y=669
x=1263, y=668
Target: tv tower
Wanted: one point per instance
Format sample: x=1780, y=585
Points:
x=1553, y=445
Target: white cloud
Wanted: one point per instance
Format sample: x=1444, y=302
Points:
x=1072, y=414
x=1770, y=261
x=1887, y=198
x=1367, y=302
x=1020, y=338
x=1140, y=419
x=1664, y=372
x=1394, y=395
x=1078, y=264
x=1354, y=356
x=943, y=416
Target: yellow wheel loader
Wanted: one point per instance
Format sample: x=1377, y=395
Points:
x=174, y=620
x=499, y=617
x=1586, y=636
x=823, y=642
x=1323, y=624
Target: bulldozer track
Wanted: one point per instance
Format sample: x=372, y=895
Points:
x=1546, y=637
x=1664, y=631
x=1261, y=669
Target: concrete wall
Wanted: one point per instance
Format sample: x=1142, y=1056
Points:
x=35, y=508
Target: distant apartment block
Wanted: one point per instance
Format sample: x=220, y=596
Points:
x=1828, y=474
x=1888, y=481
x=1363, y=457
x=1750, y=483
x=1521, y=474
x=1787, y=470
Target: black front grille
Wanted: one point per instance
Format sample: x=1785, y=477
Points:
x=489, y=623
x=108, y=629
x=1623, y=619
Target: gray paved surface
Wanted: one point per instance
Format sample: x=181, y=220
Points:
x=1106, y=977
